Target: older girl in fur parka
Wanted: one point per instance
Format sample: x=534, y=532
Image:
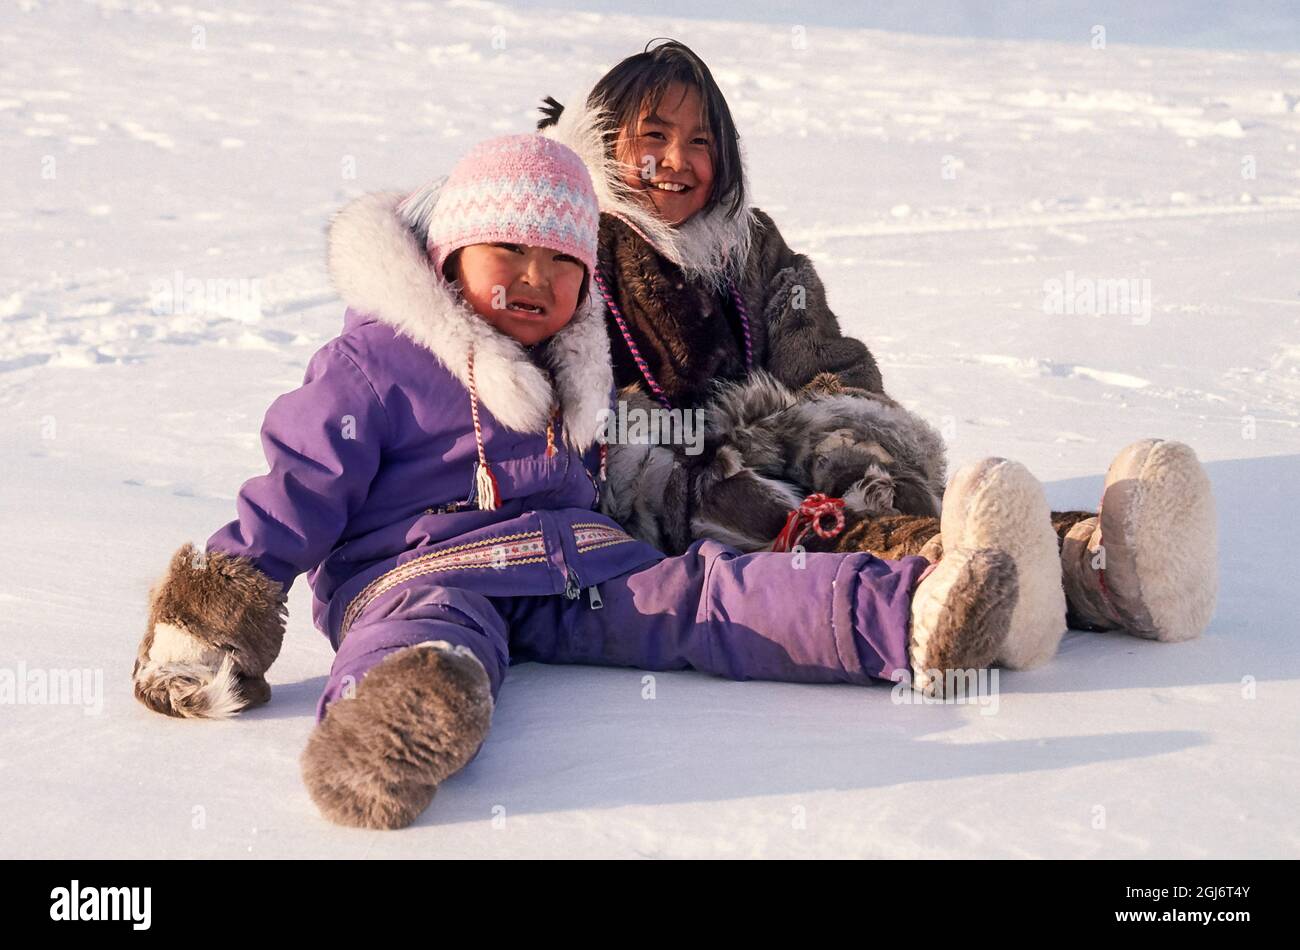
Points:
x=709, y=308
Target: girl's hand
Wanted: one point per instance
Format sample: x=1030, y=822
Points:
x=215, y=626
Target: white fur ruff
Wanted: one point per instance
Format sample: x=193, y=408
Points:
x=711, y=247
x=378, y=265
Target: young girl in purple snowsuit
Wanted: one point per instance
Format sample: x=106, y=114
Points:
x=439, y=472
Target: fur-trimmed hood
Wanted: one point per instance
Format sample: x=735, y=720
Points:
x=711, y=247
x=378, y=265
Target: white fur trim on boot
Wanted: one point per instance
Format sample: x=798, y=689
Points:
x=1160, y=540
x=996, y=503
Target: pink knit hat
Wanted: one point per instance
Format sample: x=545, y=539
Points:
x=525, y=189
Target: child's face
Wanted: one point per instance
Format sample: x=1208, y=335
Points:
x=528, y=293
x=667, y=149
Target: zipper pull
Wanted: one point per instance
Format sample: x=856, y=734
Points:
x=571, y=587
x=593, y=598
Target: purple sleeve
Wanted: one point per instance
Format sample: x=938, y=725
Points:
x=322, y=443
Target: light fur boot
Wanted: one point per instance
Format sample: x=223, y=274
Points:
x=418, y=716
x=995, y=503
x=1148, y=562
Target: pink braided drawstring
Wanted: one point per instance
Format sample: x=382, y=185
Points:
x=641, y=364
x=744, y=325
x=485, y=482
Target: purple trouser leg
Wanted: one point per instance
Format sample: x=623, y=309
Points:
x=414, y=614
x=812, y=618
x=837, y=618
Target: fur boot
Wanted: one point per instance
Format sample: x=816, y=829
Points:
x=418, y=716
x=995, y=503
x=215, y=626
x=961, y=612
x=1148, y=562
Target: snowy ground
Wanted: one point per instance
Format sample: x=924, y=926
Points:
x=940, y=184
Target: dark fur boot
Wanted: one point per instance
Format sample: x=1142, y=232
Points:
x=418, y=716
x=961, y=613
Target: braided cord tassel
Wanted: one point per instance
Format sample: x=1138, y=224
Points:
x=550, y=434
x=485, y=482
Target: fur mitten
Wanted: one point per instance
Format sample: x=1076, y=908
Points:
x=767, y=448
x=215, y=626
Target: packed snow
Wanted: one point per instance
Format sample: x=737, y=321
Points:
x=1053, y=248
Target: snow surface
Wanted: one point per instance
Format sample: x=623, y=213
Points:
x=938, y=183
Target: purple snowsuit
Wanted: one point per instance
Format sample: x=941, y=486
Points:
x=371, y=488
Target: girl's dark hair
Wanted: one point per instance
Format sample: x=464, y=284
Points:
x=641, y=81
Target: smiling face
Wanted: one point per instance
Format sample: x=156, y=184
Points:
x=670, y=155
x=528, y=293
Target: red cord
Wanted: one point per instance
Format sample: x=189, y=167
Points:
x=808, y=516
